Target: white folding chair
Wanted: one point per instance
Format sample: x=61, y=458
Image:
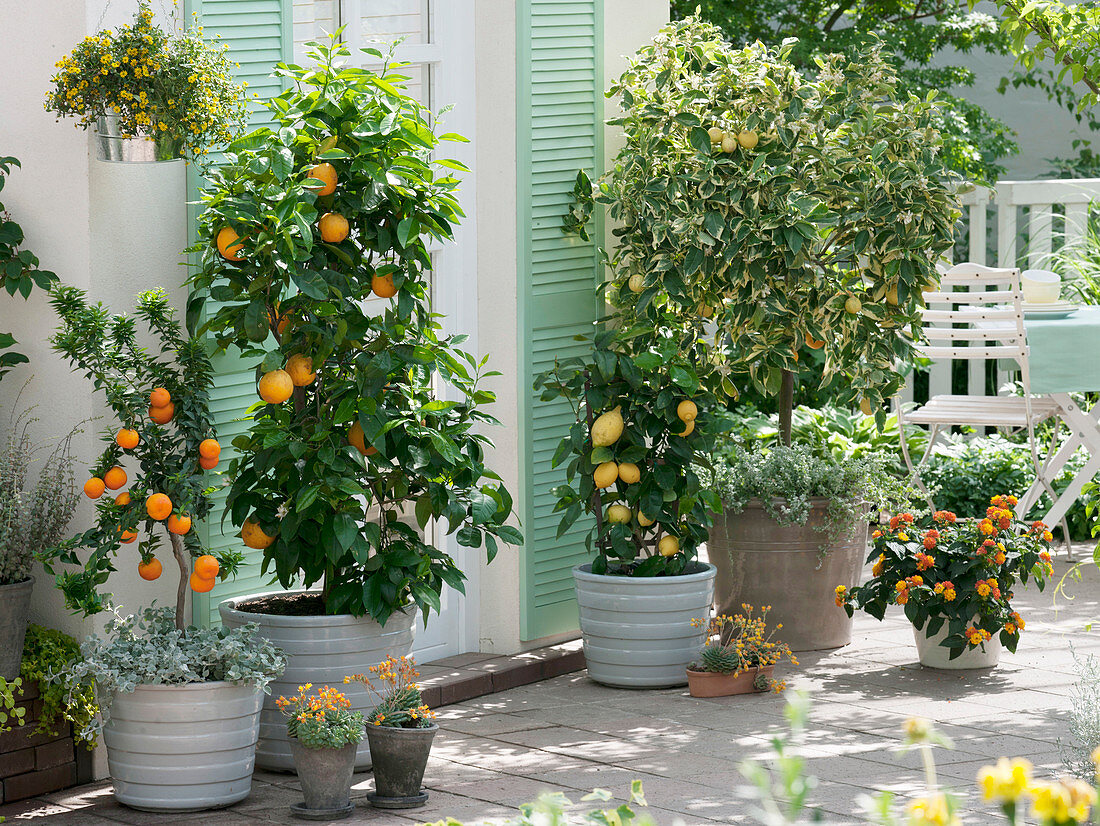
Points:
x=987, y=321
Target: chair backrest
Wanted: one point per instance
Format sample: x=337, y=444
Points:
x=993, y=298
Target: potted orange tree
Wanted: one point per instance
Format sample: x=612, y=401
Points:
x=154, y=464
x=801, y=217
x=314, y=245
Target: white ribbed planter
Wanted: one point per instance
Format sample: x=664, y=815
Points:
x=183, y=748
x=637, y=630
x=933, y=655
x=319, y=650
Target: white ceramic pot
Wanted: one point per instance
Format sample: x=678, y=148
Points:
x=183, y=748
x=933, y=655
x=321, y=650
x=637, y=630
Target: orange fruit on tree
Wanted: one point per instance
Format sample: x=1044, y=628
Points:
x=178, y=525
x=123, y=498
x=127, y=537
x=200, y=585
x=254, y=536
x=150, y=570
x=94, y=487
x=207, y=566
x=276, y=387
x=358, y=440
x=158, y=506
x=127, y=439
x=814, y=343
x=228, y=244
x=210, y=449
x=382, y=286
x=114, y=478
x=208, y=464
x=300, y=369
x=334, y=227
x=160, y=397
x=162, y=415
x=326, y=174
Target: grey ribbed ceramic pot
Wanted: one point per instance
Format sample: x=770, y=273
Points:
x=15, y=605
x=637, y=630
x=183, y=748
x=321, y=650
x=761, y=562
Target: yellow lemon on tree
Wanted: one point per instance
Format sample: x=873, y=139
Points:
x=644, y=520
x=300, y=369
x=326, y=174
x=636, y=283
x=748, y=139
x=687, y=410
x=715, y=134
x=629, y=473
x=254, y=536
x=729, y=143
x=606, y=474
x=276, y=387
x=853, y=305
x=607, y=429
x=668, y=546
x=618, y=514
x=689, y=428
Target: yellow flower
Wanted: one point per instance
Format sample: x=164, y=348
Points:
x=1005, y=781
x=932, y=811
x=1066, y=801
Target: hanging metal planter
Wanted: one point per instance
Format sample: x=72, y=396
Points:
x=144, y=147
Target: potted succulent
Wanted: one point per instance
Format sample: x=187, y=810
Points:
x=323, y=732
x=400, y=730
x=181, y=704
x=739, y=656
x=151, y=95
x=792, y=515
x=314, y=244
x=954, y=579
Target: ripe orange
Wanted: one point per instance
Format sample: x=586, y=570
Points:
x=276, y=387
x=123, y=498
x=127, y=537
x=358, y=440
x=210, y=449
x=200, y=585
x=814, y=343
x=94, y=488
x=150, y=570
x=326, y=174
x=114, y=478
x=160, y=397
x=254, y=536
x=178, y=525
x=208, y=464
x=334, y=227
x=162, y=415
x=227, y=244
x=158, y=506
x=207, y=566
x=300, y=369
x=127, y=439
x=382, y=286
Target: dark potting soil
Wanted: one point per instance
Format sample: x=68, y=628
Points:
x=285, y=605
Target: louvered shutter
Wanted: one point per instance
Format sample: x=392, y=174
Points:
x=258, y=33
x=560, y=131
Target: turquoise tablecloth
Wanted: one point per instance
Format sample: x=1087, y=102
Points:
x=1065, y=352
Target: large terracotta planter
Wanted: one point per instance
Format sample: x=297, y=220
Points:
x=321, y=650
x=15, y=605
x=183, y=748
x=762, y=563
x=933, y=655
x=637, y=630
x=713, y=684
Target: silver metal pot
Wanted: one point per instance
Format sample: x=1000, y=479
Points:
x=145, y=147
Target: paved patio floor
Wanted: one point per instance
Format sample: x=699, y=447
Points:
x=571, y=734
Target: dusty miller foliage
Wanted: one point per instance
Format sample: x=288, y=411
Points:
x=32, y=519
x=1084, y=719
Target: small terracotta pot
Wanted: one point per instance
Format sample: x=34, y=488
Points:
x=714, y=684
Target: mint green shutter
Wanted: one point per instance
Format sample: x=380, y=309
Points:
x=258, y=33
x=560, y=126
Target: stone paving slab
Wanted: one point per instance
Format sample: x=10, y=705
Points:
x=569, y=734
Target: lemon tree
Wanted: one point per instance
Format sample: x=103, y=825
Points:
x=369, y=422
x=802, y=217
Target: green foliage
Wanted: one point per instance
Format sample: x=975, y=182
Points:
x=955, y=571
x=19, y=270
x=552, y=809
x=11, y=712
x=46, y=653
x=826, y=230
x=32, y=518
x=104, y=348
x=323, y=720
x=1078, y=262
x=336, y=514
x=153, y=651
x=1084, y=719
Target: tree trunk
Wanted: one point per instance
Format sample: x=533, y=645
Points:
x=180, y=553
x=786, y=407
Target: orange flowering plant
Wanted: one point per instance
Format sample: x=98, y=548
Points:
x=399, y=702
x=942, y=569
x=742, y=642
x=321, y=720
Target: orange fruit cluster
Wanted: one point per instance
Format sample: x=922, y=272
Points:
x=204, y=574
x=161, y=408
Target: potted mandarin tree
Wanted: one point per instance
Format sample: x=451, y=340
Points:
x=147, y=670
x=802, y=216
x=314, y=245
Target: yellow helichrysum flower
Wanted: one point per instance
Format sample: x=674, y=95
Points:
x=1006, y=781
x=932, y=811
x=1066, y=801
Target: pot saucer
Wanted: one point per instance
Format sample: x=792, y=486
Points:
x=299, y=810
x=413, y=802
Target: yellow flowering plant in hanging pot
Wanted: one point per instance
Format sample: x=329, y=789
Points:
x=173, y=88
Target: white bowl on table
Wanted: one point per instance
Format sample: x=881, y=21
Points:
x=1040, y=286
